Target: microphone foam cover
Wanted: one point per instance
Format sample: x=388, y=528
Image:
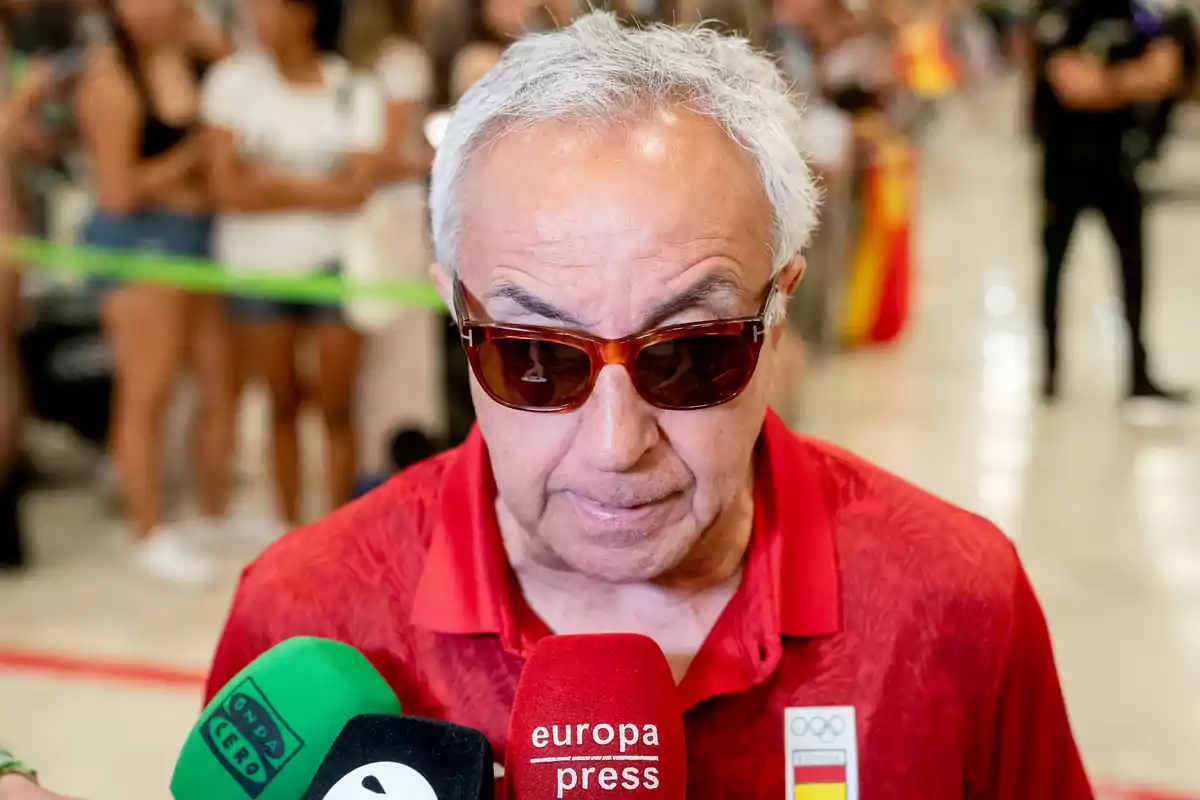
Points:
x=265, y=733
x=596, y=716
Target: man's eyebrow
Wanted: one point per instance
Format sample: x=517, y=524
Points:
x=698, y=294
x=532, y=304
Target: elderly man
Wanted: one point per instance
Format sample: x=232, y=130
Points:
x=619, y=216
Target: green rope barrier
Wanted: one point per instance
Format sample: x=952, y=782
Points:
x=201, y=275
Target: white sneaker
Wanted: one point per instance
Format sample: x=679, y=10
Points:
x=210, y=533
x=167, y=554
x=206, y=533
x=256, y=531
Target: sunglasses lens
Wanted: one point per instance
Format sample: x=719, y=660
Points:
x=695, y=371
x=531, y=373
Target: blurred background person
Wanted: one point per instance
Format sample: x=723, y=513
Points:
x=138, y=115
x=797, y=35
x=12, y=395
x=44, y=45
x=296, y=139
x=381, y=38
x=451, y=27
x=43, y=51
x=492, y=25
x=1179, y=22
x=1008, y=20
x=212, y=28
x=1095, y=62
x=792, y=35
x=837, y=57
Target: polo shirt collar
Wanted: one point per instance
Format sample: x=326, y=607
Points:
x=794, y=528
x=790, y=585
x=467, y=585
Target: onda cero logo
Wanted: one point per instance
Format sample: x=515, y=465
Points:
x=604, y=756
x=249, y=738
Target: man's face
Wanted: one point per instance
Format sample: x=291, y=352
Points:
x=601, y=227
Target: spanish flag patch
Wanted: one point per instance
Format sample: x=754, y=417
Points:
x=819, y=774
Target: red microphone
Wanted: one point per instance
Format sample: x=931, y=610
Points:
x=596, y=717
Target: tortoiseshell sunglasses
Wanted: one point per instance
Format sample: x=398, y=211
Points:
x=677, y=367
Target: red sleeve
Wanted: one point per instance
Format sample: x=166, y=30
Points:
x=1033, y=752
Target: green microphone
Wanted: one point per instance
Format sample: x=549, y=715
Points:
x=265, y=734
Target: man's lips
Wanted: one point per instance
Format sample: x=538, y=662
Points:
x=625, y=504
x=623, y=514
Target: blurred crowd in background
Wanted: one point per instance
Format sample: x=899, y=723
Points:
x=258, y=133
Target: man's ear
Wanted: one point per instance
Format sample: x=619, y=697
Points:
x=443, y=281
x=789, y=280
x=791, y=275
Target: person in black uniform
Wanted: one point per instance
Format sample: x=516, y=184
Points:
x=1179, y=22
x=1096, y=61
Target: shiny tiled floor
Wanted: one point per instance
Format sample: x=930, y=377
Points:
x=1107, y=516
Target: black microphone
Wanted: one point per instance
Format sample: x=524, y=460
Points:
x=381, y=757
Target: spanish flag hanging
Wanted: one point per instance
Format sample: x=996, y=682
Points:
x=878, y=294
x=927, y=64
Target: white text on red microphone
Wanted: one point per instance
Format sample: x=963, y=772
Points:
x=594, y=760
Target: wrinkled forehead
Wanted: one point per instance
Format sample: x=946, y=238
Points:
x=664, y=188
x=615, y=229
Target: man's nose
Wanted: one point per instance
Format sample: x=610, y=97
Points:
x=619, y=426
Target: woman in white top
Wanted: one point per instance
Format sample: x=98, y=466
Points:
x=381, y=38
x=296, y=138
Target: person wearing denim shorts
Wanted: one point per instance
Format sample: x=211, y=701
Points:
x=144, y=152
x=295, y=137
x=258, y=310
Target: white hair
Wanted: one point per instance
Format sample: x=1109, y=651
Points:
x=598, y=72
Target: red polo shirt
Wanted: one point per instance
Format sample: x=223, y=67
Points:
x=859, y=591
